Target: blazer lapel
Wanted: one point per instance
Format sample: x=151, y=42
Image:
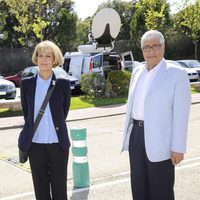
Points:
x=159, y=78
x=52, y=100
x=33, y=85
x=53, y=81
x=135, y=78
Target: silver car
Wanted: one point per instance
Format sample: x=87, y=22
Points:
x=192, y=64
x=7, y=89
x=192, y=73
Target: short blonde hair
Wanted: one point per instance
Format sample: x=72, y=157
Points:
x=48, y=46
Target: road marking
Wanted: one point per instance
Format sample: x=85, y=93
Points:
x=187, y=166
x=101, y=185
x=191, y=159
x=11, y=159
x=26, y=194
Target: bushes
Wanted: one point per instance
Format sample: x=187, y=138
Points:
x=93, y=85
x=120, y=82
x=116, y=84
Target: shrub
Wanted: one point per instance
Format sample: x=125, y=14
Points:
x=93, y=85
x=116, y=84
x=120, y=82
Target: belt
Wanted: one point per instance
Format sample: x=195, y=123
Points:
x=139, y=123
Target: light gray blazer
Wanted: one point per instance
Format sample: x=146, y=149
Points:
x=166, y=112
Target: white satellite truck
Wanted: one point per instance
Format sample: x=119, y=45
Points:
x=97, y=56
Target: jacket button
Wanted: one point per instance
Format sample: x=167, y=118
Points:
x=57, y=128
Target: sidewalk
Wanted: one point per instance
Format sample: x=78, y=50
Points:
x=80, y=114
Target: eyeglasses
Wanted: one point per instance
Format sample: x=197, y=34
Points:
x=154, y=47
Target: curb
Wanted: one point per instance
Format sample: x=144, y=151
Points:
x=79, y=119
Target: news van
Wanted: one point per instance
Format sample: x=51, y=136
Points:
x=97, y=55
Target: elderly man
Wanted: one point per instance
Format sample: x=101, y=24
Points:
x=156, y=121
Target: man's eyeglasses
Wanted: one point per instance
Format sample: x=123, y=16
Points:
x=154, y=47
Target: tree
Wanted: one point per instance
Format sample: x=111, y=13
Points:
x=29, y=21
x=36, y=20
x=3, y=34
x=149, y=14
x=188, y=21
x=83, y=29
x=65, y=30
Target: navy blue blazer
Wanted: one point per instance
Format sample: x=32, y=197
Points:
x=59, y=103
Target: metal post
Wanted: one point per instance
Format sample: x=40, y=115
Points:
x=80, y=161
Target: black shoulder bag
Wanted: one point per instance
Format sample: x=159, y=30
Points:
x=23, y=156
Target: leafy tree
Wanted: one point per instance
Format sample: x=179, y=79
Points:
x=83, y=29
x=29, y=21
x=3, y=34
x=188, y=21
x=8, y=27
x=36, y=20
x=149, y=14
x=65, y=31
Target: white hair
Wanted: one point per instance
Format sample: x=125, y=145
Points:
x=152, y=34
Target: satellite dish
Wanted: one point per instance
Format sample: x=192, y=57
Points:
x=106, y=26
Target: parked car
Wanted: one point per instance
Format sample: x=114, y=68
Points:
x=194, y=64
x=16, y=78
x=7, y=89
x=192, y=73
x=59, y=72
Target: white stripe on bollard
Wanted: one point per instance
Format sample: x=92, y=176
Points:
x=80, y=159
x=79, y=143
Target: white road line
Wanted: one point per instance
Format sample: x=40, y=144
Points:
x=187, y=166
x=18, y=196
x=99, y=186
x=191, y=159
x=92, y=187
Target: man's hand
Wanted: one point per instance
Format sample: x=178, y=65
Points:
x=176, y=158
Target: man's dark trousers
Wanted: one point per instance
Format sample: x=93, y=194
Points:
x=149, y=180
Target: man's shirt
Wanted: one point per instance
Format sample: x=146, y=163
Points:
x=141, y=90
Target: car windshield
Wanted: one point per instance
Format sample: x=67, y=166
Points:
x=193, y=63
x=176, y=63
x=30, y=71
x=190, y=63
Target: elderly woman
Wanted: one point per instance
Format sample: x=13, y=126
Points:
x=48, y=145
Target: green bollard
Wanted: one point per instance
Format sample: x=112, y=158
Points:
x=80, y=163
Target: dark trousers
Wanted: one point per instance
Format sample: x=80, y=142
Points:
x=49, y=171
x=149, y=180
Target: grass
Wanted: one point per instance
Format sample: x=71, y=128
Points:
x=80, y=102
x=76, y=103
x=194, y=90
x=5, y=112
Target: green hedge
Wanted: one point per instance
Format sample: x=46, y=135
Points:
x=116, y=84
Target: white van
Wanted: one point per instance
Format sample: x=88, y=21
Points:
x=77, y=63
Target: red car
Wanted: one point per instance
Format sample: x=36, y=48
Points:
x=15, y=78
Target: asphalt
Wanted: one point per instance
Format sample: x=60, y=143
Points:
x=81, y=114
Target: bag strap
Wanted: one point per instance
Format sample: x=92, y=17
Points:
x=43, y=107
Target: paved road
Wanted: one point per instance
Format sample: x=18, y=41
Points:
x=109, y=170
